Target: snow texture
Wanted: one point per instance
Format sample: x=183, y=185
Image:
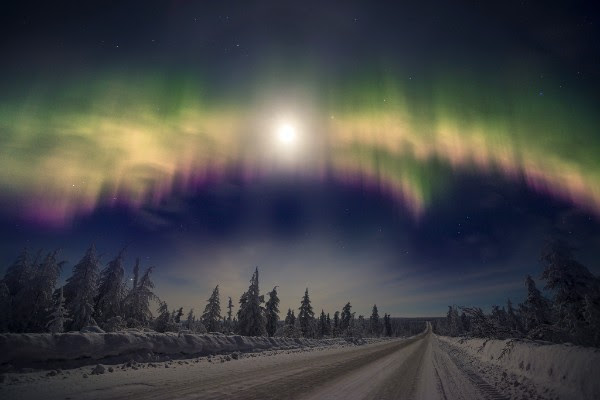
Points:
x=36, y=348
x=571, y=371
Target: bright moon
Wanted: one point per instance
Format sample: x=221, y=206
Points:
x=286, y=133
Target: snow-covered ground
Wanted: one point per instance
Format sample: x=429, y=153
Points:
x=422, y=367
x=566, y=371
x=40, y=350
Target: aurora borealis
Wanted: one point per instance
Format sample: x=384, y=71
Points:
x=183, y=99
x=138, y=139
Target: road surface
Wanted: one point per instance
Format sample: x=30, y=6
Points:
x=421, y=367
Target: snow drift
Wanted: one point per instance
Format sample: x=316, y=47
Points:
x=35, y=348
x=570, y=370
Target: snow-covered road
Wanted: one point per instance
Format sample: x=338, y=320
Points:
x=422, y=367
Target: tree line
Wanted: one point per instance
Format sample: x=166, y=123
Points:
x=570, y=314
x=96, y=298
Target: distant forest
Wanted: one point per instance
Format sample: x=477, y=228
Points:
x=96, y=300
x=571, y=313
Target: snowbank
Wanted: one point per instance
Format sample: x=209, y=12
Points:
x=33, y=348
x=570, y=370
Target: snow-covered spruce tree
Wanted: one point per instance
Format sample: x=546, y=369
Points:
x=361, y=325
x=229, y=310
x=290, y=326
x=500, y=320
x=439, y=326
x=336, y=324
x=535, y=310
x=591, y=313
x=164, y=320
x=18, y=274
x=137, y=302
x=481, y=325
x=59, y=317
x=228, y=324
x=272, y=312
x=242, y=305
x=355, y=327
x=211, y=317
x=193, y=324
x=22, y=299
x=322, y=327
x=290, y=318
x=176, y=315
x=466, y=323
x=251, y=315
x=453, y=322
x=387, y=324
x=306, y=315
x=40, y=291
x=111, y=291
x=571, y=283
x=190, y=320
x=17, y=278
x=345, y=318
x=374, y=323
x=5, y=307
x=81, y=290
x=513, y=320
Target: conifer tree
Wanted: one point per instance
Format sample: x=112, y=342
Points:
x=359, y=327
x=513, y=320
x=39, y=293
x=111, y=290
x=272, y=312
x=481, y=325
x=18, y=274
x=466, y=322
x=291, y=327
x=229, y=310
x=212, y=313
x=81, y=290
x=388, y=325
x=306, y=315
x=136, y=273
x=5, y=307
x=137, y=301
x=374, y=322
x=228, y=322
x=164, y=321
x=322, y=328
x=329, y=328
x=536, y=308
x=336, y=323
x=290, y=318
x=190, y=320
x=346, y=317
x=500, y=320
x=59, y=316
x=576, y=290
x=177, y=315
x=251, y=315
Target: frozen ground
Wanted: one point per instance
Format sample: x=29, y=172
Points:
x=566, y=371
x=422, y=367
x=72, y=349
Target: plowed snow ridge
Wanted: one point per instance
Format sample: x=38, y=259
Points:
x=421, y=367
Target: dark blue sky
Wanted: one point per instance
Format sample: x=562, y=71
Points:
x=345, y=242
x=473, y=244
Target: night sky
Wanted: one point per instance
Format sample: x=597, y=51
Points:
x=409, y=155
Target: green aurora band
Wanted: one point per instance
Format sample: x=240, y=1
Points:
x=70, y=145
